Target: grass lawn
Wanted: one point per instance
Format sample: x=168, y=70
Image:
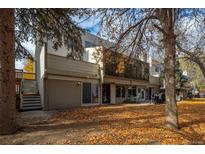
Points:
x=114, y=124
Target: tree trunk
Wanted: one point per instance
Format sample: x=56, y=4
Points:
x=169, y=61
x=170, y=86
x=7, y=72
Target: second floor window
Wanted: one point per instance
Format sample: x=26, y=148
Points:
x=86, y=55
x=88, y=44
x=157, y=69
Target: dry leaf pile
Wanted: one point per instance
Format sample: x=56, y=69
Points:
x=115, y=124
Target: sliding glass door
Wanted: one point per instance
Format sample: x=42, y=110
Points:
x=86, y=93
x=90, y=93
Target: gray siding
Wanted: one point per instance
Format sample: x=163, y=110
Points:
x=154, y=80
x=63, y=94
x=64, y=66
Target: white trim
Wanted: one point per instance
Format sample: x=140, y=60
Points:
x=90, y=104
x=81, y=93
x=124, y=81
x=59, y=77
x=144, y=91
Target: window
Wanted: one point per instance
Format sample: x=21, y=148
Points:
x=86, y=93
x=129, y=91
x=120, y=91
x=86, y=55
x=90, y=93
x=157, y=69
x=88, y=44
x=123, y=91
x=143, y=94
x=94, y=93
x=134, y=91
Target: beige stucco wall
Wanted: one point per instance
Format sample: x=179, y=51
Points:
x=63, y=94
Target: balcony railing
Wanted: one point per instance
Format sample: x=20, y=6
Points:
x=29, y=86
x=132, y=69
x=19, y=74
x=154, y=80
x=24, y=75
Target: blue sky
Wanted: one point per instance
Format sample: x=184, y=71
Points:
x=92, y=25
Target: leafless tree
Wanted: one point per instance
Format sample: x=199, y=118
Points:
x=135, y=31
x=191, y=40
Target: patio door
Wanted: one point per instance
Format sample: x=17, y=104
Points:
x=142, y=94
x=150, y=93
x=106, y=94
x=86, y=93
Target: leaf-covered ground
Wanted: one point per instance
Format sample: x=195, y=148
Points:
x=113, y=124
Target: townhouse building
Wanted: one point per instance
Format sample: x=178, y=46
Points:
x=97, y=78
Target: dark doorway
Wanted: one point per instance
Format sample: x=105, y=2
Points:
x=150, y=93
x=106, y=93
x=86, y=93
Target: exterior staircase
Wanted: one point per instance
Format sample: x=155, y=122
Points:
x=27, y=92
x=30, y=102
x=30, y=98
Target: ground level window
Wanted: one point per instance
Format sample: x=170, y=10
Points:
x=139, y=90
x=86, y=93
x=129, y=91
x=134, y=91
x=117, y=91
x=120, y=91
x=95, y=93
x=123, y=91
x=90, y=93
x=142, y=94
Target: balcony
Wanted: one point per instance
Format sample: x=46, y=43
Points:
x=20, y=75
x=63, y=66
x=154, y=80
x=121, y=67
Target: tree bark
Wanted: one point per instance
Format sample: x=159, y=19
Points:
x=169, y=61
x=170, y=86
x=7, y=72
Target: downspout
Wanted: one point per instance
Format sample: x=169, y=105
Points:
x=35, y=69
x=46, y=104
x=100, y=71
